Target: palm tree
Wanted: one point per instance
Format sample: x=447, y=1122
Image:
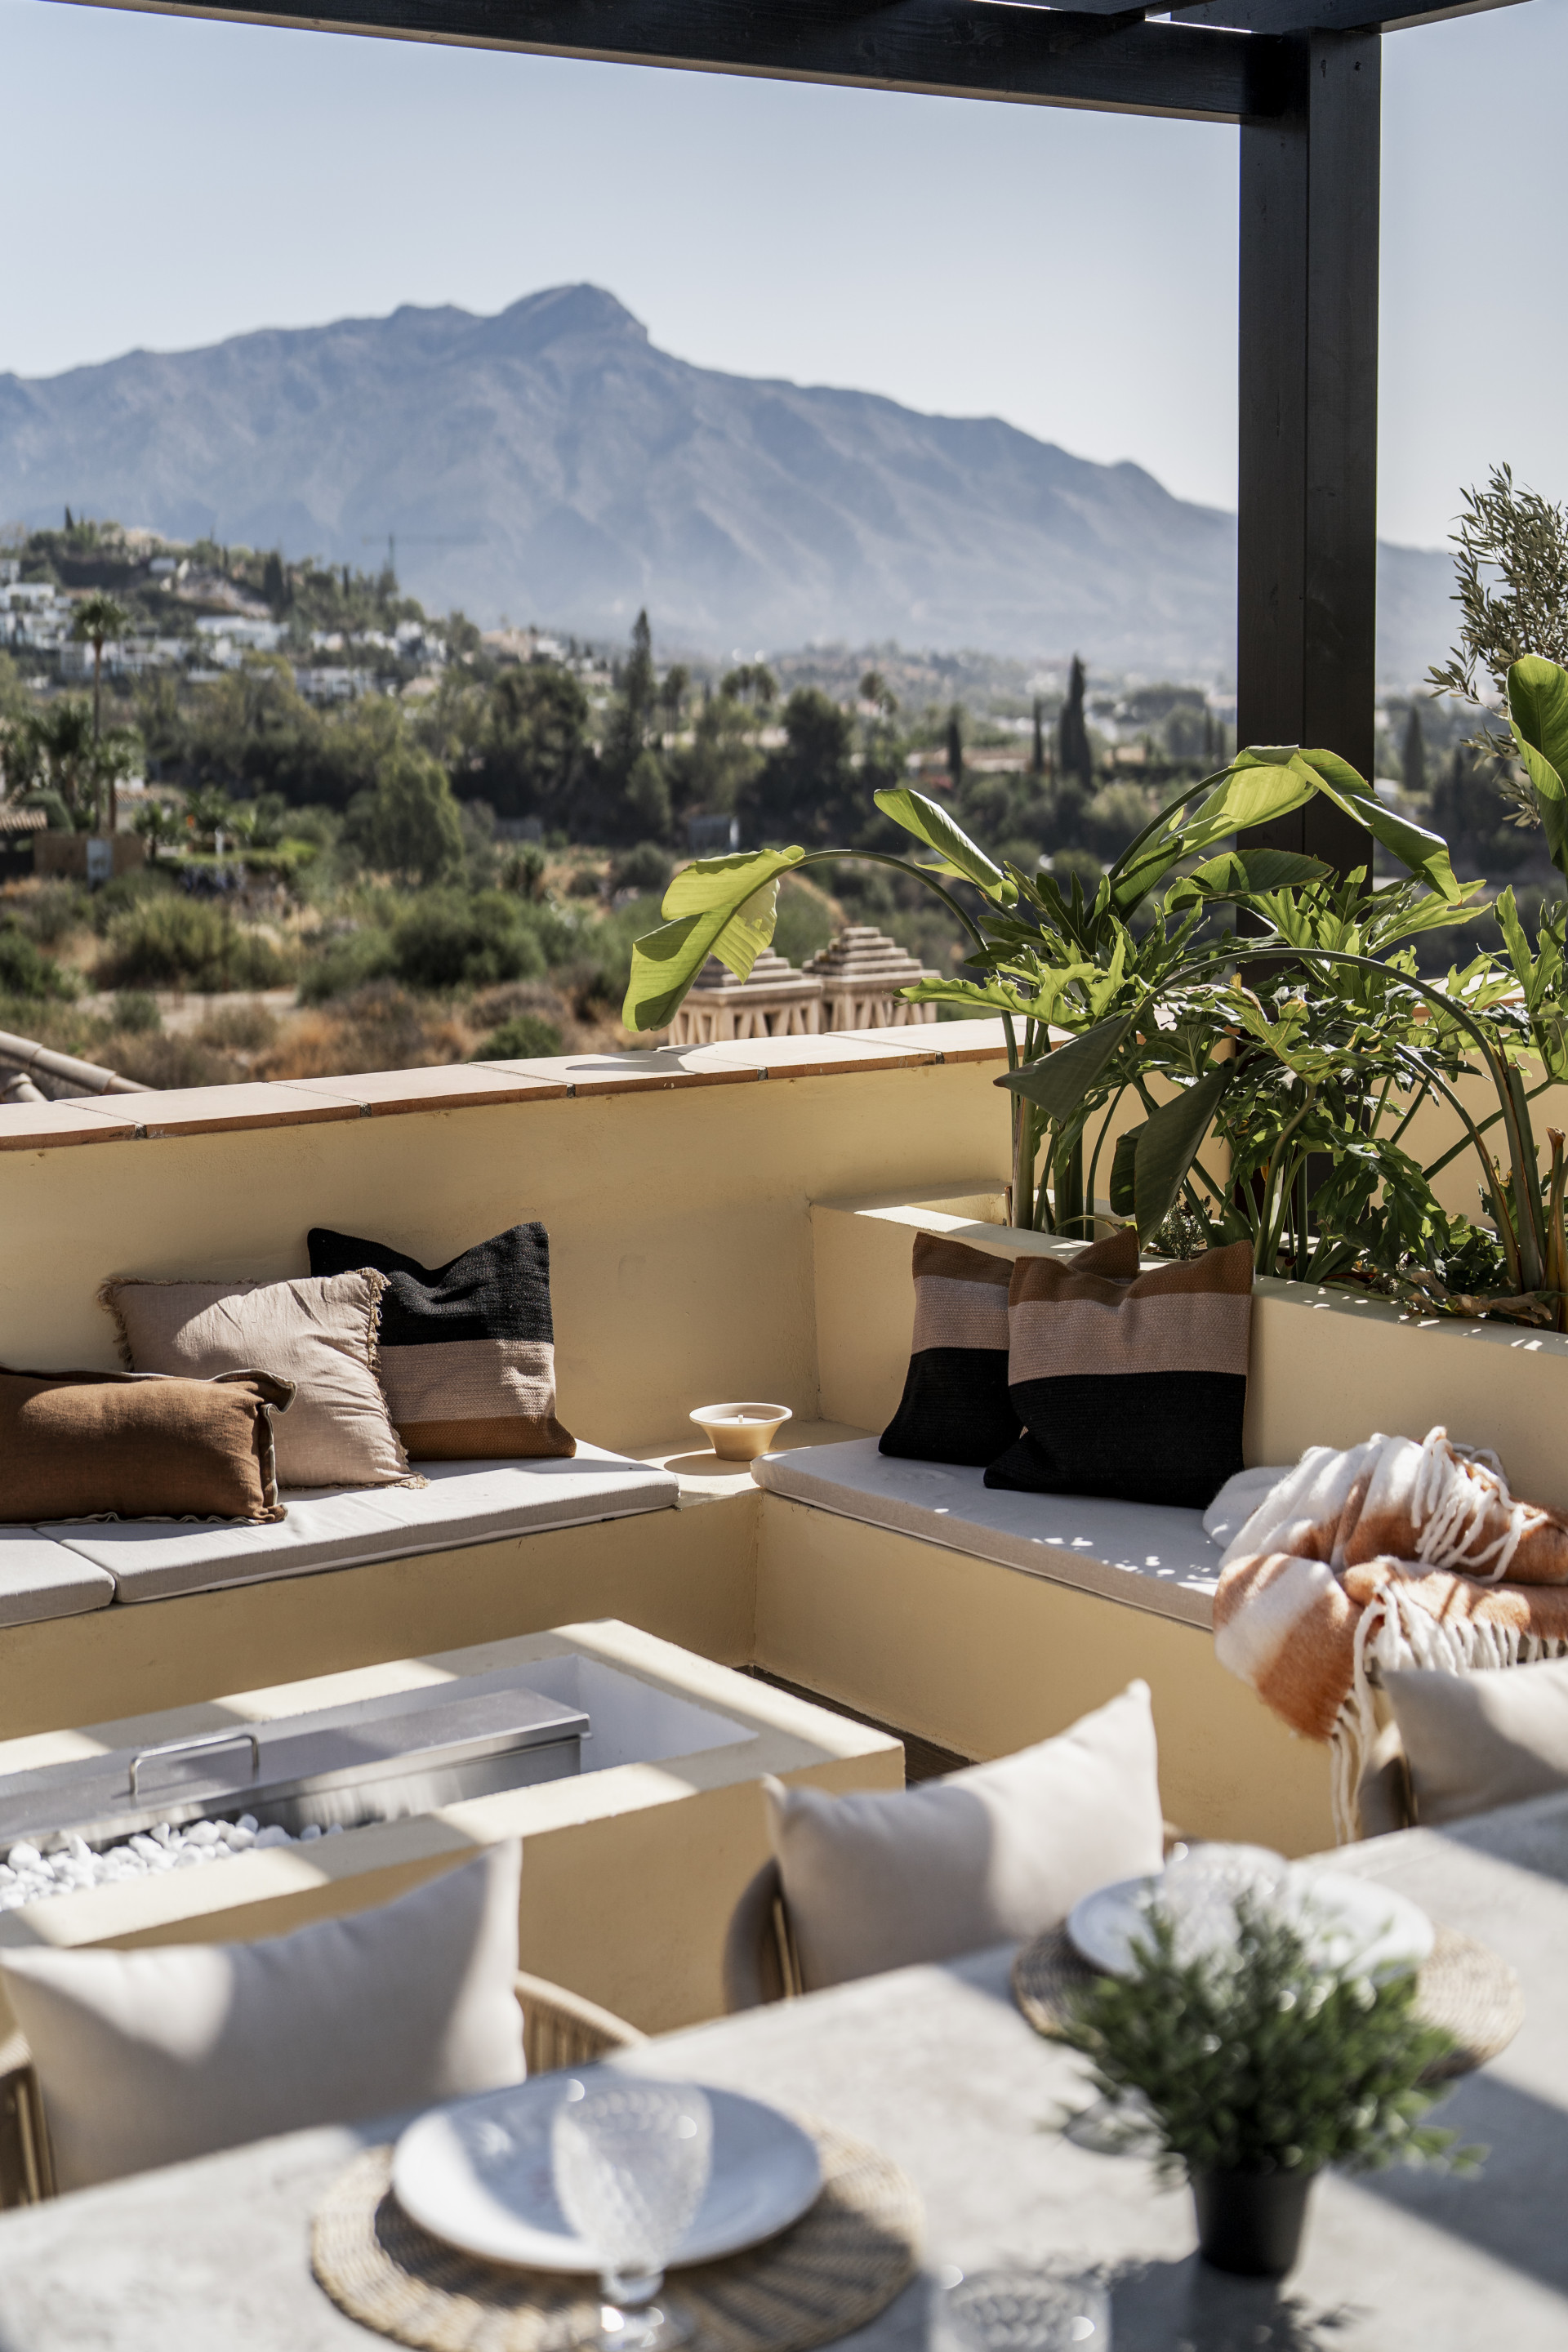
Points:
x=100, y=617
x=61, y=747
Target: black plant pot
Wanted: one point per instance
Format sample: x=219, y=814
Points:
x=1250, y=2222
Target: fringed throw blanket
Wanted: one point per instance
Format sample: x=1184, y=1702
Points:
x=1386, y=1554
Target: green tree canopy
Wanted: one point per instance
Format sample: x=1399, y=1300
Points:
x=808, y=789
x=409, y=825
x=532, y=744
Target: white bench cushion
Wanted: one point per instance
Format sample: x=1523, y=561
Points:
x=1149, y=1555
x=465, y=1503
x=40, y=1578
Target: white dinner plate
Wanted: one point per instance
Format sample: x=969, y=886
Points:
x=1349, y=1922
x=478, y=2174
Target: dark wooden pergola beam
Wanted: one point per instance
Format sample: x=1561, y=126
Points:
x=1112, y=63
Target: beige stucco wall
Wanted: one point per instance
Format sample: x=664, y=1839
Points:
x=680, y=1230
x=986, y=1659
x=1435, y=1127
x=688, y=1575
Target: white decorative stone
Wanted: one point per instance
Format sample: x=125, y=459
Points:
x=29, y=1876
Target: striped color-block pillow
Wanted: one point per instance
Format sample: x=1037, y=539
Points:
x=955, y=1406
x=467, y=1349
x=1134, y=1388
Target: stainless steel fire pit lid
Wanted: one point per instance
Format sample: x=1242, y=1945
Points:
x=105, y=1798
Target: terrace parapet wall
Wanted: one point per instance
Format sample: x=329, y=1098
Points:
x=674, y=1183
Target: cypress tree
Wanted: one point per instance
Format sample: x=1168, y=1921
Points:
x=1038, y=763
x=639, y=685
x=955, y=745
x=1074, y=757
x=1414, y=755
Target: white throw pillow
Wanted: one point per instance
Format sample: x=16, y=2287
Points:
x=149, y=2057
x=994, y=1853
x=1478, y=1741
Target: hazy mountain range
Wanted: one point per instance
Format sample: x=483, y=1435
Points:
x=551, y=463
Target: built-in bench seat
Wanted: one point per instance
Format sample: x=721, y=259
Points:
x=1149, y=1556
x=984, y=1620
x=40, y=1578
x=74, y=1564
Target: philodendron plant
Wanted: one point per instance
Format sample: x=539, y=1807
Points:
x=1043, y=957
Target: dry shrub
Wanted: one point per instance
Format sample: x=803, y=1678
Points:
x=381, y=1027
x=50, y=911
x=243, y=1028
x=168, y=1060
x=491, y=1006
x=175, y=942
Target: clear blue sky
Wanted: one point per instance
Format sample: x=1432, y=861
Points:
x=168, y=182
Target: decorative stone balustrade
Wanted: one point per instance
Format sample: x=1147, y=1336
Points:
x=852, y=983
x=776, y=1002
x=861, y=973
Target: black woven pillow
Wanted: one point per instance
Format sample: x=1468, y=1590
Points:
x=467, y=1353
x=955, y=1406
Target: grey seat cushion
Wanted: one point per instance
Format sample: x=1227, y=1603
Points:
x=41, y=1577
x=1153, y=1556
x=465, y=1503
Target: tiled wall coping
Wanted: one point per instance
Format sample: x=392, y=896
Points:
x=304, y=1102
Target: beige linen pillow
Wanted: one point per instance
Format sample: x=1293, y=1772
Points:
x=1474, y=1741
x=318, y=1331
x=146, y=2058
x=994, y=1853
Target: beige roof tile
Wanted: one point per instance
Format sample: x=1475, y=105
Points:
x=452, y=1088
x=94, y=1118
x=209, y=1110
x=646, y=1072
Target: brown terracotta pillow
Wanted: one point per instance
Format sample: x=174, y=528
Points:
x=127, y=1446
x=320, y=1334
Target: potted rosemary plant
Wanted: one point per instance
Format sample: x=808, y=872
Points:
x=1247, y=2069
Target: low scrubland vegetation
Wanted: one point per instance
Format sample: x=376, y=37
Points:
x=455, y=860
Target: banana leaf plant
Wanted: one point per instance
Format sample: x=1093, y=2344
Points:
x=1324, y=1064
x=1538, y=717
x=1315, y=1067
x=1040, y=956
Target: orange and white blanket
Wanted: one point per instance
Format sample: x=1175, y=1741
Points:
x=1386, y=1554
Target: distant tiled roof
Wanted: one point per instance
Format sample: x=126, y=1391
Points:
x=23, y=820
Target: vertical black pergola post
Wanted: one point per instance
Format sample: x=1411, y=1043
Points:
x=1307, y=552
x=1302, y=78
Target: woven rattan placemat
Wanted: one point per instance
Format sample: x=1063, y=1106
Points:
x=833, y=2271
x=1463, y=1988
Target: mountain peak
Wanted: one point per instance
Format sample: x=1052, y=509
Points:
x=551, y=462
x=537, y=320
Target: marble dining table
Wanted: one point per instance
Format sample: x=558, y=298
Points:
x=936, y=2066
